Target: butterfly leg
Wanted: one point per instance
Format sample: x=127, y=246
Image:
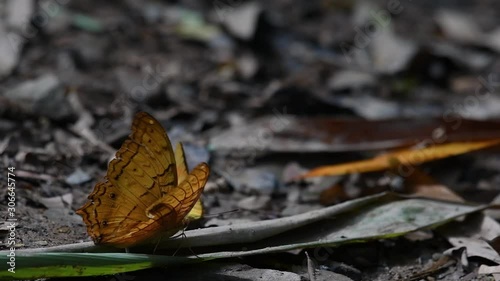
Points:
x=182, y=240
x=156, y=246
x=180, y=246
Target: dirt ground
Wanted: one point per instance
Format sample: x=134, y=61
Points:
x=223, y=77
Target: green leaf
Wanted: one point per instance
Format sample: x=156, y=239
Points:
x=45, y=265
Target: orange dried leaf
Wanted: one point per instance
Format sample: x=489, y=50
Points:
x=408, y=157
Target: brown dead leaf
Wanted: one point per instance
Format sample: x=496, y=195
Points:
x=421, y=184
x=288, y=133
x=333, y=195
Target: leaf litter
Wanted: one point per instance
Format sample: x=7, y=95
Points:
x=263, y=87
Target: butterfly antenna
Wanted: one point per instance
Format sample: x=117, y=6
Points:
x=221, y=213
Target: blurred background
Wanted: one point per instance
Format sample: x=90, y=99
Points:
x=262, y=90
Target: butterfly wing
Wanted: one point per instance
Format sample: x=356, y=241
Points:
x=142, y=172
x=182, y=173
x=175, y=206
x=181, y=163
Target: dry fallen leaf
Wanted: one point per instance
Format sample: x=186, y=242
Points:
x=402, y=158
x=420, y=184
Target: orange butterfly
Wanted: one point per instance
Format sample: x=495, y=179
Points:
x=147, y=192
